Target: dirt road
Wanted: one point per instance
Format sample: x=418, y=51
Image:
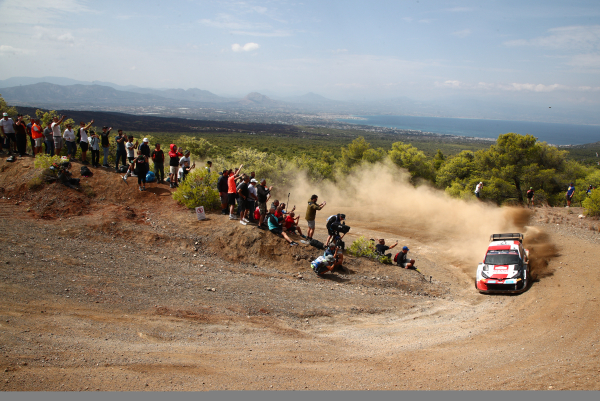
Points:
x=133, y=294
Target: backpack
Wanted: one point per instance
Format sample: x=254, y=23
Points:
x=122, y=169
x=396, y=257
x=317, y=244
x=257, y=213
x=150, y=177
x=86, y=172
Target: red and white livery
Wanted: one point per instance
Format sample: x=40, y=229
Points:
x=505, y=268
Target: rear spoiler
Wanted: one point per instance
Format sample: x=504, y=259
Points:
x=507, y=237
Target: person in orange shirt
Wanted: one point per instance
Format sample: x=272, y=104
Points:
x=37, y=135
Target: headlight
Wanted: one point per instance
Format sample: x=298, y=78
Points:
x=516, y=274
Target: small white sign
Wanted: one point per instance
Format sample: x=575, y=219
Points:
x=200, y=213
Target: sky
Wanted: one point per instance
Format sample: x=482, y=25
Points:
x=344, y=50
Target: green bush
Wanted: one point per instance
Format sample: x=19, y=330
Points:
x=199, y=189
x=45, y=161
x=592, y=203
x=366, y=248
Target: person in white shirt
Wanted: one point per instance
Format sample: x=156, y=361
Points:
x=55, y=126
x=84, y=141
x=69, y=137
x=7, y=126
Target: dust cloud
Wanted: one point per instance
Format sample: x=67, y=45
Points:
x=379, y=197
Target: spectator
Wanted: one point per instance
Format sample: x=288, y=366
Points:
x=232, y=190
x=323, y=264
x=244, y=195
x=290, y=223
x=48, y=139
x=95, y=149
x=252, y=200
x=37, y=135
x=275, y=227
x=140, y=168
x=570, y=192
x=158, y=157
x=222, y=188
x=331, y=220
x=145, y=148
x=263, y=194
x=381, y=248
x=403, y=260
x=131, y=147
x=56, y=135
x=337, y=254
x=174, y=154
x=105, y=142
x=21, y=135
x=83, y=140
x=589, y=190
x=7, y=125
x=311, y=214
x=184, y=170
x=28, y=133
x=530, y=196
x=478, y=189
x=121, y=152
x=208, y=166
x=69, y=137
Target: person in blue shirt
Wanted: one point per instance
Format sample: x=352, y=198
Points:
x=570, y=192
x=337, y=254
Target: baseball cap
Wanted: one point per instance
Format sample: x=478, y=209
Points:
x=329, y=258
x=405, y=248
x=5, y=115
x=145, y=140
x=253, y=180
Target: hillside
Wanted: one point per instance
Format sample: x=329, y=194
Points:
x=112, y=289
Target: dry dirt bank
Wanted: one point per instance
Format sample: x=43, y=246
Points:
x=113, y=290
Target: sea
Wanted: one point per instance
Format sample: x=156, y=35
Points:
x=555, y=134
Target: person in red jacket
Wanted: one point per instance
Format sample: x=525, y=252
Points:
x=175, y=153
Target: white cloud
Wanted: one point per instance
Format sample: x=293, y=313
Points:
x=248, y=47
x=66, y=37
x=567, y=37
x=462, y=33
x=6, y=49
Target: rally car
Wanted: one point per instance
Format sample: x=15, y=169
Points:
x=505, y=268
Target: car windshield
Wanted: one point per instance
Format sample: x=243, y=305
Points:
x=508, y=257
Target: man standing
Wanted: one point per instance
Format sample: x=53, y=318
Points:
x=56, y=134
x=145, y=148
x=7, y=125
x=48, y=139
x=263, y=194
x=84, y=142
x=244, y=194
x=570, y=192
x=120, y=139
x=478, y=189
x=530, y=195
x=311, y=214
x=21, y=135
x=105, y=142
x=252, y=200
x=37, y=136
x=232, y=191
x=158, y=157
x=222, y=188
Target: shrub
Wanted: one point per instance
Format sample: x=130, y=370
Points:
x=366, y=248
x=199, y=189
x=45, y=161
x=592, y=203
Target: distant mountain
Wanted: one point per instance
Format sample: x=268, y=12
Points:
x=20, y=81
x=256, y=99
x=51, y=95
x=192, y=95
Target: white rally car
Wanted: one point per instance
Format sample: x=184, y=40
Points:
x=505, y=268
